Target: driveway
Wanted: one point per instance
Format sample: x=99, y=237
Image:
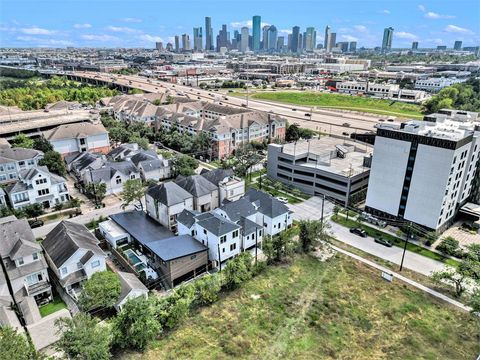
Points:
x=311, y=209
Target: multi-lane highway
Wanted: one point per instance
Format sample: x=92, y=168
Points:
x=327, y=121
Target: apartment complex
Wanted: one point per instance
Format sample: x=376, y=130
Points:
x=424, y=171
x=15, y=160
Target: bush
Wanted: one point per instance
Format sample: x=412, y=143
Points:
x=207, y=289
x=238, y=270
x=448, y=246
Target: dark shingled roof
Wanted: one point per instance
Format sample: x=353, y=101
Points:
x=196, y=185
x=249, y=226
x=217, y=175
x=157, y=238
x=187, y=217
x=236, y=209
x=218, y=225
x=267, y=204
x=66, y=238
x=169, y=193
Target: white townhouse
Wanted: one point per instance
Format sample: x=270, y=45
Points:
x=15, y=160
x=73, y=254
x=205, y=193
x=113, y=175
x=37, y=186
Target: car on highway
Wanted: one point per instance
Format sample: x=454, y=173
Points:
x=220, y=103
x=198, y=92
x=283, y=200
x=293, y=109
x=359, y=232
x=173, y=85
x=244, y=105
x=308, y=114
x=383, y=242
x=390, y=120
x=382, y=120
x=230, y=90
x=346, y=124
x=198, y=97
x=225, y=98
x=345, y=133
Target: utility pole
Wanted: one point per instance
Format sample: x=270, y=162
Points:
x=323, y=203
x=219, y=259
x=405, y=246
x=256, y=245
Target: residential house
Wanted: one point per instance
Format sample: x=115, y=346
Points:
x=3, y=201
x=15, y=160
x=122, y=151
x=112, y=174
x=73, y=254
x=272, y=214
x=174, y=258
x=221, y=236
x=131, y=288
x=150, y=165
x=205, y=194
x=23, y=261
x=37, y=186
x=165, y=201
x=75, y=138
x=78, y=164
x=8, y=317
x=230, y=187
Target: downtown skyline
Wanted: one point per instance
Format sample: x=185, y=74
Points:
x=431, y=23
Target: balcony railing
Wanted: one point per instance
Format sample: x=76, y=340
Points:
x=38, y=288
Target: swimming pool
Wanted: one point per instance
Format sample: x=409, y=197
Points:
x=134, y=259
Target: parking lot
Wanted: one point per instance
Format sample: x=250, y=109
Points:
x=311, y=209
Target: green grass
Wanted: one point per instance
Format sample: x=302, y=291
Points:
x=344, y=102
x=340, y=309
x=395, y=240
x=56, y=305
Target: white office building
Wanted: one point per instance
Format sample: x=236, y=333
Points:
x=423, y=171
x=436, y=84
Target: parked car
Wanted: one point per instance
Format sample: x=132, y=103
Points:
x=346, y=124
x=282, y=200
x=308, y=114
x=244, y=105
x=359, y=232
x=293, y=109
x=383, y=242
x=345, y=133
x=198, y=97
x=35, y=223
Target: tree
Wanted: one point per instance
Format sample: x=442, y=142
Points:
x=33, y=210
x=176, y=307
x=202, y=144
x=54, y=162
x=245, y=157
x=133, y=191
x=83, y=338
x=15, y=346
x=75, y=203
x=292, y=133
x=313, y=233
x=142, y=142
x=100, y=291
x=430, y=238
x=97, y=190
x=448, y=246
x=474, y=301
x=238, y=270
x=278, y=248
x=42, y=144
x=336, y=210
x=184, y=165
x=22, y=141
x=207, y=289
x=452, y=275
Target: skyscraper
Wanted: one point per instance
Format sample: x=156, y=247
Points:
x=244, y=39
x=159, y=46
x=352, y=46
x=332, y=41
x=295, y=39
x=310, y=39
x=272, y=38
x=177, y=43
x=280, y=43
x=197, y=39
x=186, y=42
x=327, y=38
x=265, y=37
x=457, y=45
x=415, y=45
x=208, y=34
x=387, y=39
x=256, y=24
x=222, y=38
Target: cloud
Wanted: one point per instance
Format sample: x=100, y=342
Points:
x=44, y=42
x=405, y=35
x=123, y=29
x=36, y=31
x=286, y=31
x=386, y=12
x=150, y=38
x=247, y=23
x=422, y=8
x=433, y=15
x=360, y=28
x=457, y=29
x=82, y=26
x=349, y=38
x=131, y=20
x=101, y=38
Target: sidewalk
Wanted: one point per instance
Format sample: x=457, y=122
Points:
x=404, y=279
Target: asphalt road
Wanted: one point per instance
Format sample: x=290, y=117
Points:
x=327, y=121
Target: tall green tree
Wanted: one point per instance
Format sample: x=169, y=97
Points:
x=313, y=233
x=100, y=291
x=54, y=162
x=42, y=144
x=184, y=165
x=83, y=338
x=238, y=270
x=133, y=191
x=22, y=141
x=15, y=346
x=278, y=248
x=137, y=324
x=97, y=191
x=207, y=289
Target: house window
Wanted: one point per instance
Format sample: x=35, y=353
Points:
x=223, y=239
x=223, y=250
x=35, y=256
x=41, y=181
x=82, y=141
x=233, y=246
x=3, y=177
x=235, y=234
x=34, y=278
x=12, y=176
x=95, y=264
x=118, y=180
x=132, y=176
x=43, y=192
x=253, y=237
x=30, y=162
x=20, y=261
x=193, y=257
x=2, y=169
x=10, y=167
x=64, y=271
x=79, y=266
x=205, y=231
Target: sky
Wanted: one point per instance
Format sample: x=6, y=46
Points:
x=140, y=23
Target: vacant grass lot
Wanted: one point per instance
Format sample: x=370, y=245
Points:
x=344, y=102
x=312, y=310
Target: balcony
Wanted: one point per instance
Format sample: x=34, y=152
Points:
x=38, y=288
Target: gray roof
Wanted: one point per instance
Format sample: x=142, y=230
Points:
x=13, y=231
x=217, y=175
x=126, y=148
x=218, y=225
x=82, y=160
x=176, y=247
x=196, y=185
x=169, y=193
x=66, y=238
x=76, y=130
x=143, y=155
x=16, y=154
x=187, y=217
x=267, y=204
x=236, y=209
x=129, y=282
x=248, y=226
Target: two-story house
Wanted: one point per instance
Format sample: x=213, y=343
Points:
x=150, y=165
x=113, y=175
x=73, y=254
x=78, y=164
x=221, y=236
x=230, y=187
x=15, y=160
x=37, y=186
x=274, y=216
x=23, y=261
x=165, y=201
x=75, y=138
x=205, y=194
